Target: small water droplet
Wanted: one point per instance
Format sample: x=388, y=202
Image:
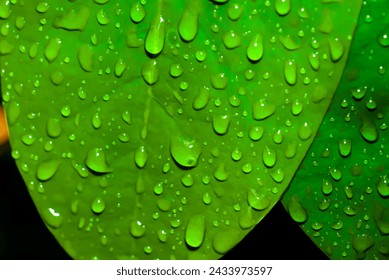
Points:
x=283, y=7
x=187, y=180
x=269, y=156
x=337, y=49
x=304, y=131
x=235, y=11
x=231, y=40
x=297, y=107
x=207, y=198
x=290, y=72
x=383, y=186
x=219, y=81
x=369, y=131
x=257, y=199
x=52, y=49
x=221, y=173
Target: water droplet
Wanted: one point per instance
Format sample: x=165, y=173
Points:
x=65, y=111
x=150, y=72
x=278, y=175
x=158, y=188
x=221, y=173
x=187, y=180
x=52, y=217
x=290, y=72
x=137, y=229
x=335, y=173
x=314, y=60
x=254, y=50
x=188, y=25
x=162, y=235
x=85, y=58
x=176, y=70
x=219, y=81
x=235, y=11
x=120, y=67
x=207, y=198
x=52, y=49
x=96, y=161
x=231, y=40
x=185, y=152
x=361, y=243
x=221, y=124
x=349, y=211
x=236, y=154
x=297, y=107
x=327, y=187
x=73, y=19
x=304, y=131
x=289, y=43
x=336, y=49
x=141, y=156
x=297, y=211
x=47, y=169
x=225, y=240
x=155, y=38
x=344, y=147
x=383, y=40
x=369, y=131
x=202, y=99
x=262, y=110
x=383, y=186
x=195, y=231
x=256, y=133
x=247, y=168
x=324, y=204
x=358, y=93
x=53, y=127
x=283, y=7
x=96, y=120
x=201, y=56
x=257, y=199
x=102, y=17
x=98, y=205
x=278, y=136
x=137, y=12
x=269, y=156
x=28, y=139
x=337, y=225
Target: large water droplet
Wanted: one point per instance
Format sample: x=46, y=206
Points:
x=290, y=72
x=185, y=151
x=137, y=12
x=141, y=156
x=47, y=169
x=52, y=49
x=269, y=156
x=231, y=40
x=195, y=231
x=221, y=124
x=155, y=39
x=98, y=205
x=262, y=110
x=344, y=147
x=150, y=72
x=221, y=173
x=52, y=217
x=188, y=25
x=297, y=211
x=254, y=50
x=96, y=161
x=257, y=199
x=283, y=7
x=53, y=127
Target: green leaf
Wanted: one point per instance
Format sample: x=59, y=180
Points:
x=165, y=129
x=342, y=187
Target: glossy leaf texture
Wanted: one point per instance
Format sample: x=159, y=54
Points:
x=340, y=194
x=165, y=129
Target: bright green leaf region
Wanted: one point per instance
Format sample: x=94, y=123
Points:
x=340, y=195
x=165, y=129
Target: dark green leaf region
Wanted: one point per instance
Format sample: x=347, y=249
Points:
x=165, y=129
x=340, y=194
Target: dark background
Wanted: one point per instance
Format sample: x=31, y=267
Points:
x=24, y=236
